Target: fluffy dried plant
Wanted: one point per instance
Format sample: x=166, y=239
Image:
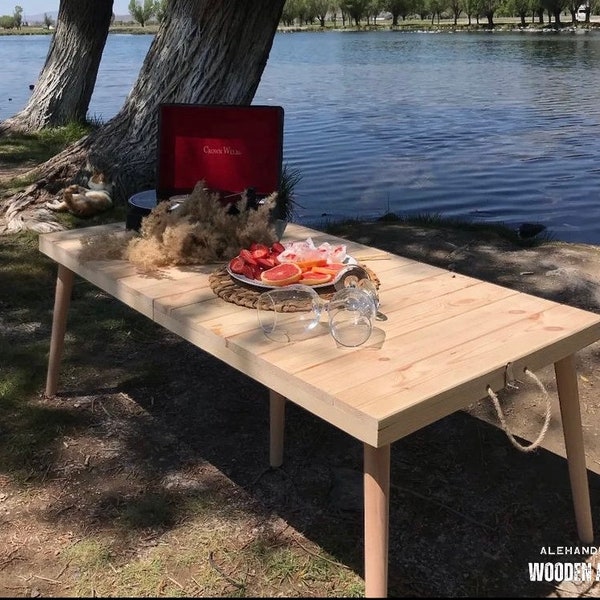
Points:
x=107, y=246
x=199, y=230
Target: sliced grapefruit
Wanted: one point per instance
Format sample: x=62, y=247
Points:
x=315, y=278
x=307, y=265
x=282, y=274
x=332, y=268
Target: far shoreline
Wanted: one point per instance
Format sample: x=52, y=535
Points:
x=502, y=24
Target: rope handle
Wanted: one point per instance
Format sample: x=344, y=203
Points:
x=534, y=445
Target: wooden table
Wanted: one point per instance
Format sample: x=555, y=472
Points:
x=447, y=338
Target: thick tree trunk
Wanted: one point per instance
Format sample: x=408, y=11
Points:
x=557, y=17
x=205, y=52
x=64, y=88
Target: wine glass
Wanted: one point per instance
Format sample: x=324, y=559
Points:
x=289, y=313
x=351, y=313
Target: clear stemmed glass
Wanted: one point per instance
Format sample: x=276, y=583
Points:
x=294, y=312
x=351, y=311
x=289, y=313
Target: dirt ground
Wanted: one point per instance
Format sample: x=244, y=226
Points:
x=468, y=512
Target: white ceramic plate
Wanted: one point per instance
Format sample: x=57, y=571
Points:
x=257, y=283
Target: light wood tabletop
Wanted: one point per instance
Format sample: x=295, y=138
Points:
x=448, y=338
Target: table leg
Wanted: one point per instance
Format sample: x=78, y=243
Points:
x=377, y=510
x=62, y=299
x=568, y=394
x=277, y=425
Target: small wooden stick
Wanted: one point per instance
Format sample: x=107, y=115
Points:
x=373, y=257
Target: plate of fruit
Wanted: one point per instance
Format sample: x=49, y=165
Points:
x=280, y=264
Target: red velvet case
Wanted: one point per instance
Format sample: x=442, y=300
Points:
x=231, y=148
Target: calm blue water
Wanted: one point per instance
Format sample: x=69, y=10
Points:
x=491, y=126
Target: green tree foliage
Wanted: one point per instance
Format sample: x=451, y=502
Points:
x=537, y=9
x=469, y=7
x=142, y=10
x=554, y=8
x=519, y=8
x=320, y=8
x=160, y=10
x=303, y=9
x=7, y=22
x=333, y=11
x=488, y=9
x=356, y=9
x=455, y=7
x=398, y=8
x=309, y=11
x=436, y=8
x=421, y=8
x=290, y=12
x=18, y=16
x=374, y=7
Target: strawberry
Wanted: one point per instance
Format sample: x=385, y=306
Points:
x=237, y=265
x=247, y=257
x=265, y=262
x=248, y=271
x=260, y=251
x=256, y=271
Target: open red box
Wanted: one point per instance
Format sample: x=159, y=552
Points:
x=230, y=147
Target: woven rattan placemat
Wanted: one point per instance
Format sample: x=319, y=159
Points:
x=242, y=294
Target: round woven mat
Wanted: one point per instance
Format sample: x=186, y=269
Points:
x=237, y=292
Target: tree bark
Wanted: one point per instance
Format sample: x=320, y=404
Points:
x=204, y=52
x=66, y=83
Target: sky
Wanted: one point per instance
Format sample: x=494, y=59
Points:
x=39, y=7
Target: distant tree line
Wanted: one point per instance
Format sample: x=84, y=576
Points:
x=348, y=13
x=14, y=21
x=366, y=12
x=141, y=11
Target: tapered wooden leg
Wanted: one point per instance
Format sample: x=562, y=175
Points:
x=377, y=510
x=277, y=425
x=568, y=394
x=62, y=299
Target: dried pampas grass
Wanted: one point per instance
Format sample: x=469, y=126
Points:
x=107, y=246
x=201, y=230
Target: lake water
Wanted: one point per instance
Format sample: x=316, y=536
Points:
x=501, y=127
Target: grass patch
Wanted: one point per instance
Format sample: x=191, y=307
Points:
x=25, y=151
x=33, y=148
x=90, y=553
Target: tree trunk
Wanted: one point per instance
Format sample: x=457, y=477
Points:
x=557, y=17
x=66, y=83
x=204, y=52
